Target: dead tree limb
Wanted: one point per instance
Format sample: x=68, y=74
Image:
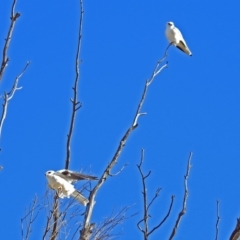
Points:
x=184, y=204
x=75, y=103
x=146, y=206
x=84, y=233
x=8, y=96
x=103, y=230
x=5, y=58
x=218, y=219
x=29, y=218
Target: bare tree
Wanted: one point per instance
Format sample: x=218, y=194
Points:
x=8, y=95
x=67, y=219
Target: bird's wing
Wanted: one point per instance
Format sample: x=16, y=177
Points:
x=177, y=33
x=183, y=47
x=80, y=198
x=72, y=176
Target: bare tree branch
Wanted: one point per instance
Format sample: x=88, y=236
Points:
x=156, y=195
x=103, y=231
x=218, y=219
x=5, y=58
x=184, y=204
x=144, y=230
x=236, y=232
x=115, y=174
x=146, y=206
x=165, y=218
x=84, y=234
x=29, y=218
x=62, y=217
x=75, y=103
x=8, y=96
x=55, y=214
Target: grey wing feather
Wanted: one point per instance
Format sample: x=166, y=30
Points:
x=80, y=198
x=72, y=176
x=183, y=47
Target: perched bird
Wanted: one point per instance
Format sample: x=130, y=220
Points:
x=175, y=37
x=61, y=181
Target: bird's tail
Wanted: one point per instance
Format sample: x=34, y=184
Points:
x=80, y=198
x=183, y=47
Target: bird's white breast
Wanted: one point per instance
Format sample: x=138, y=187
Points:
x=170, y=34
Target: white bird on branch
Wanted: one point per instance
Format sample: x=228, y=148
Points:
x=175, y=37
x=61, y=181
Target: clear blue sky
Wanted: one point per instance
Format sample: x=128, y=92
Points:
x=193, y=105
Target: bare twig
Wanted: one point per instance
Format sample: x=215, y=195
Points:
x=5, y=59
x=29, y=218
x=104, y=230
x=118, y=172
x=146, y=206
x=62, y=217
x=8, y=96
x=218, y=219
x=165, y=218
x=155, y=196
x=184, y=204
x=236, y=232
x=75, y=103
x=84, y=235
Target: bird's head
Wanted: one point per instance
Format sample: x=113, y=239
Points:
x=170, y=24
x=49, y=173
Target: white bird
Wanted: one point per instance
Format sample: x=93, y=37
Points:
x=175, y=37
x=61, y=181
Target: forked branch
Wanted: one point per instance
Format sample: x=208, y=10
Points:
x=8, y=96
x=84, y=234
x=5, y=58
x=104, y=230
x=184, y=204
x=29, y=218
x=75, y=103
x=146, y=206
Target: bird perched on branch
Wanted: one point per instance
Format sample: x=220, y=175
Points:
x=61, y=181
x=175, y=37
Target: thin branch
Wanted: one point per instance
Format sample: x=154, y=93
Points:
x=55, y=214
x=218, y=219
x=29, y=218
x=62, y=217
x=5, y=59
x=75, y=103
x=184, y=204
x=8, y=96
x=115, y=174
x=145, y=230
x=165, y=218
x=156, y=195
x=84, y=234
x=145, y=207
x=236, y=232
x=104, y=230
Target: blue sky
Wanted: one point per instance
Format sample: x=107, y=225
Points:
x=193, y=105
